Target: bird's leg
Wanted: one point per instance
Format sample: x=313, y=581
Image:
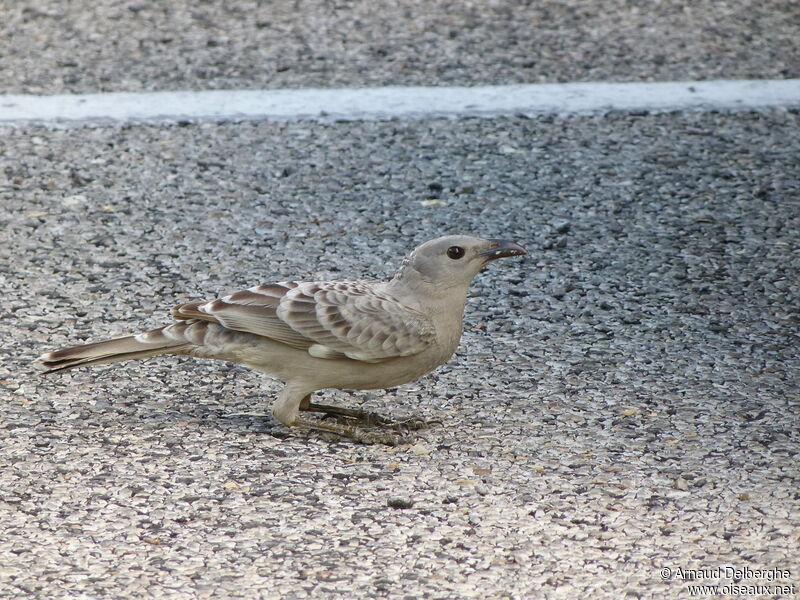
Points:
x=365, y=417
x=351, y=432
x=291, y=401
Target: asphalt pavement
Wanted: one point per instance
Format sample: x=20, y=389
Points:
x=624, y=406
x=131, y=45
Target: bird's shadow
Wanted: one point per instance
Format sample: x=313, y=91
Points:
x=235, y=418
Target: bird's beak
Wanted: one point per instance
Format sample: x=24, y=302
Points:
x=501, y=249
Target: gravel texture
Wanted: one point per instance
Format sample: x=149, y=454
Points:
x=625, y=398
x=48, y=46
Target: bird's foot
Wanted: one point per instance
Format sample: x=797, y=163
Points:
x=364, y=417
x=357, y=434
x=367, y=418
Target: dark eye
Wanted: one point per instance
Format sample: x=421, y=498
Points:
x=455, y=252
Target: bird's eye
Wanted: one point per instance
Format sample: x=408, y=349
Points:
x=455, y=252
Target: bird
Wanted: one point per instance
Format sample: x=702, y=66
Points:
x=313, y=335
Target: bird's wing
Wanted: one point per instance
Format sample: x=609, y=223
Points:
x=328, y=319
x=356, y=319
x=253, y=310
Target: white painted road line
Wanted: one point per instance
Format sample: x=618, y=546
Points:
x=372, y=104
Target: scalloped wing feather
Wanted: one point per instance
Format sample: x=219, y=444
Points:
x=328, y=319
x=252, y=311
x=354, y=318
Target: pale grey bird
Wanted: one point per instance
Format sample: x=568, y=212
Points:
x=314, y=335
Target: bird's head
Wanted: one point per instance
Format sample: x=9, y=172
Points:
x=453, y=260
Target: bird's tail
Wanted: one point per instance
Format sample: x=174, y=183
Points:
x=165, y=340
